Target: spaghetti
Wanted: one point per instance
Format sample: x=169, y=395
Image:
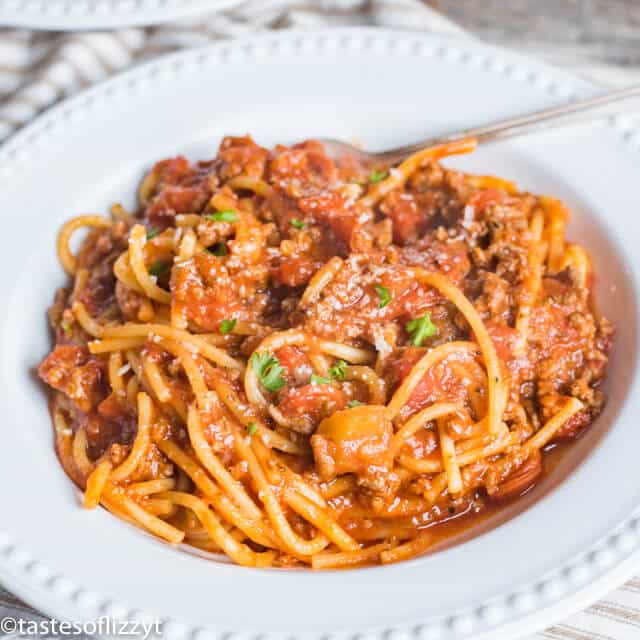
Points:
x=294, y=360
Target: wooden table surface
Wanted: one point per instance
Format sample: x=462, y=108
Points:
x=598, y=38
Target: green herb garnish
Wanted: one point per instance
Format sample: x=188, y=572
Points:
x=298, y=224
x=153, y=232
x=252, y=427
x=228, y=215
x=269, y=371
x=319, y=379
x=160, y=268
x=227, y=326
x=421, y=328
x=218, y=249
x=354, y=403
x=66, y=327
x=377, y=176
x=384, y=297
x=338, y=370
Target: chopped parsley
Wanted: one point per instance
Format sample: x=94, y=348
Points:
x=66, y=327
x=227, y=326
x=421, y=328
x=228, y=215
x=297, y=223
x=354, y=403
x=269, y=371
x=319, y=379
x=338, y=370
x=384, y=297
x=153, y=232
x=377, y=176
x=218, y=249
x=252, y=427
x=160, y=268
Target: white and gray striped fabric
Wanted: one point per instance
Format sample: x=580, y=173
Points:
x=37, y=69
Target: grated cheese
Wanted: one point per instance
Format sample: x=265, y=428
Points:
x=124, y=369
x=380, y=342
x=469, y=214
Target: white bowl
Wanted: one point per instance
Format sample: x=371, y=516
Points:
x=571, y=539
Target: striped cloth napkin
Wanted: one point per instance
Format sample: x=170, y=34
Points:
x=37, y=69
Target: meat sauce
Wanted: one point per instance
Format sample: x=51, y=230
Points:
x=292, y=210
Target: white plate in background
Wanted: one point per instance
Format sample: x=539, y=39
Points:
x=573, y=538
x=77, y=15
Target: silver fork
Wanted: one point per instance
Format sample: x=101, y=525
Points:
x=511, y=127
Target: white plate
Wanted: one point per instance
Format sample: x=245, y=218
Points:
x=72, y=15
x=381, y=87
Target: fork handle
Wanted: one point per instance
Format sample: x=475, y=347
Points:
x=518, y=125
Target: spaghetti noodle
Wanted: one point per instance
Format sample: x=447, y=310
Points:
x=294, y=360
